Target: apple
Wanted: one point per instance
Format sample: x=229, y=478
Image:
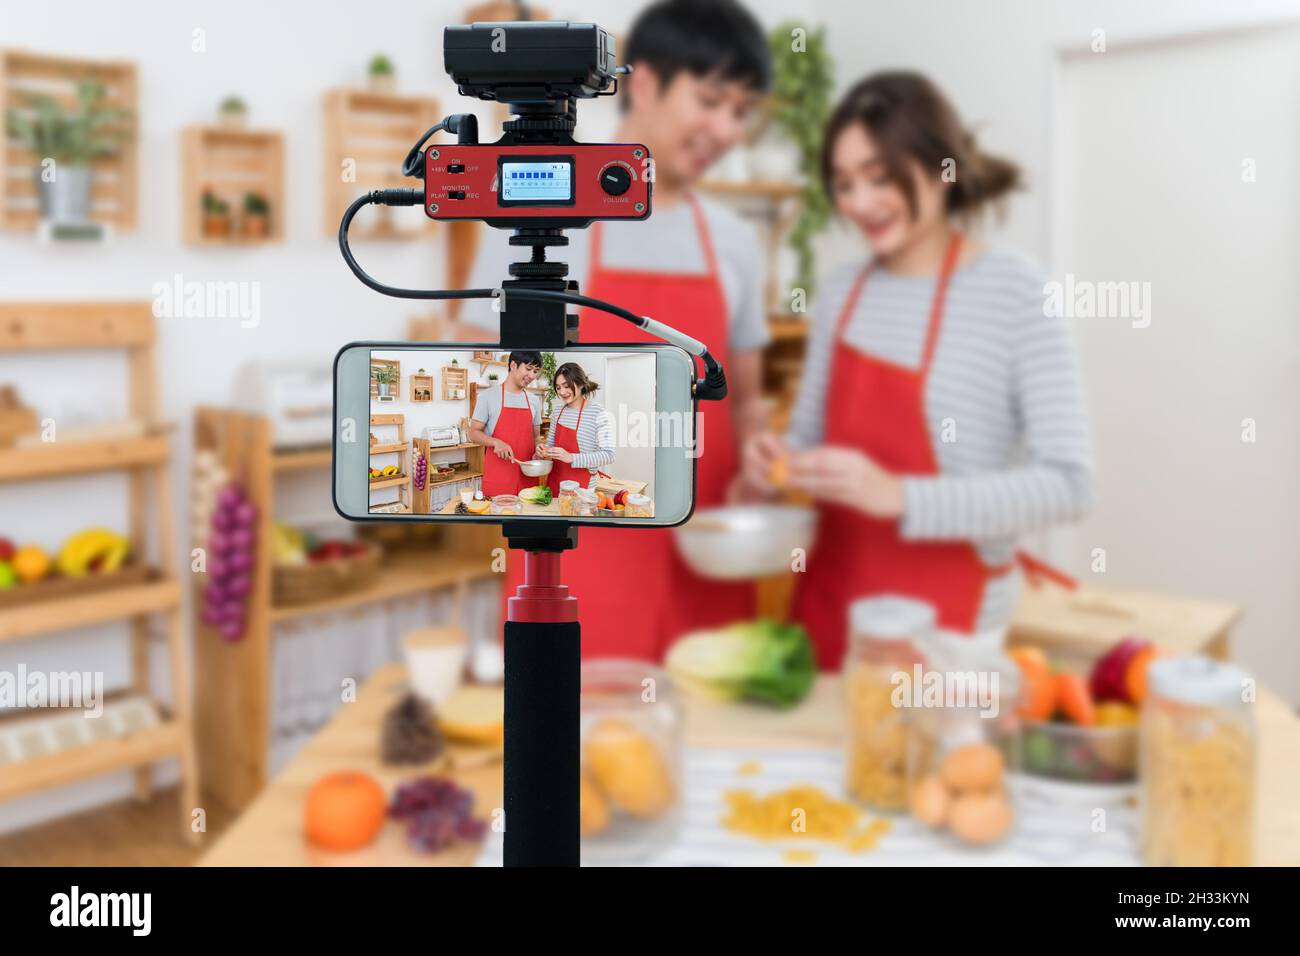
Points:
x=7, y=549
x=620, y=497
x=1107, y=679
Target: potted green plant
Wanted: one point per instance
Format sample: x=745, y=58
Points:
x=257, y=216
x=384, y=378
x=216, y=216
x=383, y=77
x=65, y=142
x=232, y=113
x=549, y=365
x=492, y=377
x=801, y=103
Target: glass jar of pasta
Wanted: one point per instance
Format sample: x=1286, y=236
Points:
x=1197, y=748
x=883, y=636
x=568, y=494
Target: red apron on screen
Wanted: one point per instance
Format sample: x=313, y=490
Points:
x=567, y=438
x=878, y=408
x=514, y=427
x=635, y=595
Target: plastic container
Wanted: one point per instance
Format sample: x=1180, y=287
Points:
x=638, y=506
x=1107, y=755
x=568, y=493
x=1199, y=754
x=506, y=505
x=584, y=503
x=964, y=740
x=631, y=778
x=883, y=632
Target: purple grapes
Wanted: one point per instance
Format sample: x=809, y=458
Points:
x=438, y=813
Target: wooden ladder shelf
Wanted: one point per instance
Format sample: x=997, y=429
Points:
x=137, y=597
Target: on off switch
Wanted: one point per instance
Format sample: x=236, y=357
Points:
x=615, y=180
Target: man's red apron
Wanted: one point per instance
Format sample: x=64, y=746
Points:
x=514, y=427
x=567, y=438
x=878, y=408
x=635, y=594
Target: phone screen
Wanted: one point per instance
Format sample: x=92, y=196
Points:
x=576, y=434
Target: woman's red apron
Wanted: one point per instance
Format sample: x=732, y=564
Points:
x=514, y=427
x=567, y=438
x=635, y=594
x=878, y=408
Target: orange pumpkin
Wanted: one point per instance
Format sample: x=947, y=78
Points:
x=344, y=810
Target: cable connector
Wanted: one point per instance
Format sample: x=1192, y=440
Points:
x=397, y=197
x=713, y=387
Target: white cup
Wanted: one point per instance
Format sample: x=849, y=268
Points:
x=435, y=659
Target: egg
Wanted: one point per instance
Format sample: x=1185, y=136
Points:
x=780, y=472
x=973, y=767
x=980, y=818
x=593, y=812
x=929, y=801
x=628, y=768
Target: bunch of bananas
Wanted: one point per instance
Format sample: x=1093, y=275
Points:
x=95, y=550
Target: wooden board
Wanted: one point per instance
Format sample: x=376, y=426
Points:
x=114, y=177
x=57, y=587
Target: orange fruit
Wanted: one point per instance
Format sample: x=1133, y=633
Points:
x=30, y=563
x=1135, y=675
x=345, y=810
x=1075, y=700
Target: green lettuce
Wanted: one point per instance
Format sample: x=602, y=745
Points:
x=754, y=660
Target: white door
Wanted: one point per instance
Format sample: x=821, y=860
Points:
x=628, y=393
x=1178, y=164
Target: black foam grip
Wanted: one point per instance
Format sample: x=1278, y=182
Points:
x=543, y=684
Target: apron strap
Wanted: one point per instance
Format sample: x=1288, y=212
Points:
x=702, y=233
x=1036, y=571
x=581, y=408
x=936, y=306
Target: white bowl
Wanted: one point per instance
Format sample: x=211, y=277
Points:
x=536, y=467
x=742, y=542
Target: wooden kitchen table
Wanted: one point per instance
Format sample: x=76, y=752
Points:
x=270, y=831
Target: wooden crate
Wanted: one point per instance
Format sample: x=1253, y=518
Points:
x=114, y=178
x=367, y=136
x=231, y=163
x=422, y=388
x=454, y=377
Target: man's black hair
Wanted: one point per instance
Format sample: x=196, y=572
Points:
x=526, y=358
x=704, y=37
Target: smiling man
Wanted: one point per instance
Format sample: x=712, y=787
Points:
x=700, y=69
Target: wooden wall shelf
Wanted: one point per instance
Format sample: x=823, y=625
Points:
x=114, y=178
x=367, y=136
x=231, y=164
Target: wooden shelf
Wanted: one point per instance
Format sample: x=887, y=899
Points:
x=433, y=449
x=299, y=459
x=757, y=189
x=458, y=476
x=231, y=163
x=97, y=607
x=57, y=458
x=134, y=599
x=389, y=482
x=388, y=448
x=136, y=749
x=400, y=575
x=366, y=137
x=113, y=178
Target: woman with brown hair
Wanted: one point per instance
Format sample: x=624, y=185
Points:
x=582, y=438
x=940, y=414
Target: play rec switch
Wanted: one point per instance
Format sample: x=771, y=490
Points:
x=615, y=180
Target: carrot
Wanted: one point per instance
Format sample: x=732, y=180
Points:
x=1075, y=700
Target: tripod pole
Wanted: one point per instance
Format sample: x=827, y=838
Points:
x=542, y=686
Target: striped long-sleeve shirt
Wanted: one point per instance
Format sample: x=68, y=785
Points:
x=1003, y=403
x=595, y=435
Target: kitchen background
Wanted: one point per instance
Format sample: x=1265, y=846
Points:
x=1165, y=157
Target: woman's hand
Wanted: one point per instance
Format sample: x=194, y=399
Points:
x=761, y=453
x=560, y=454
x=541, y=451
x=503, y=450
x=847, y=477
